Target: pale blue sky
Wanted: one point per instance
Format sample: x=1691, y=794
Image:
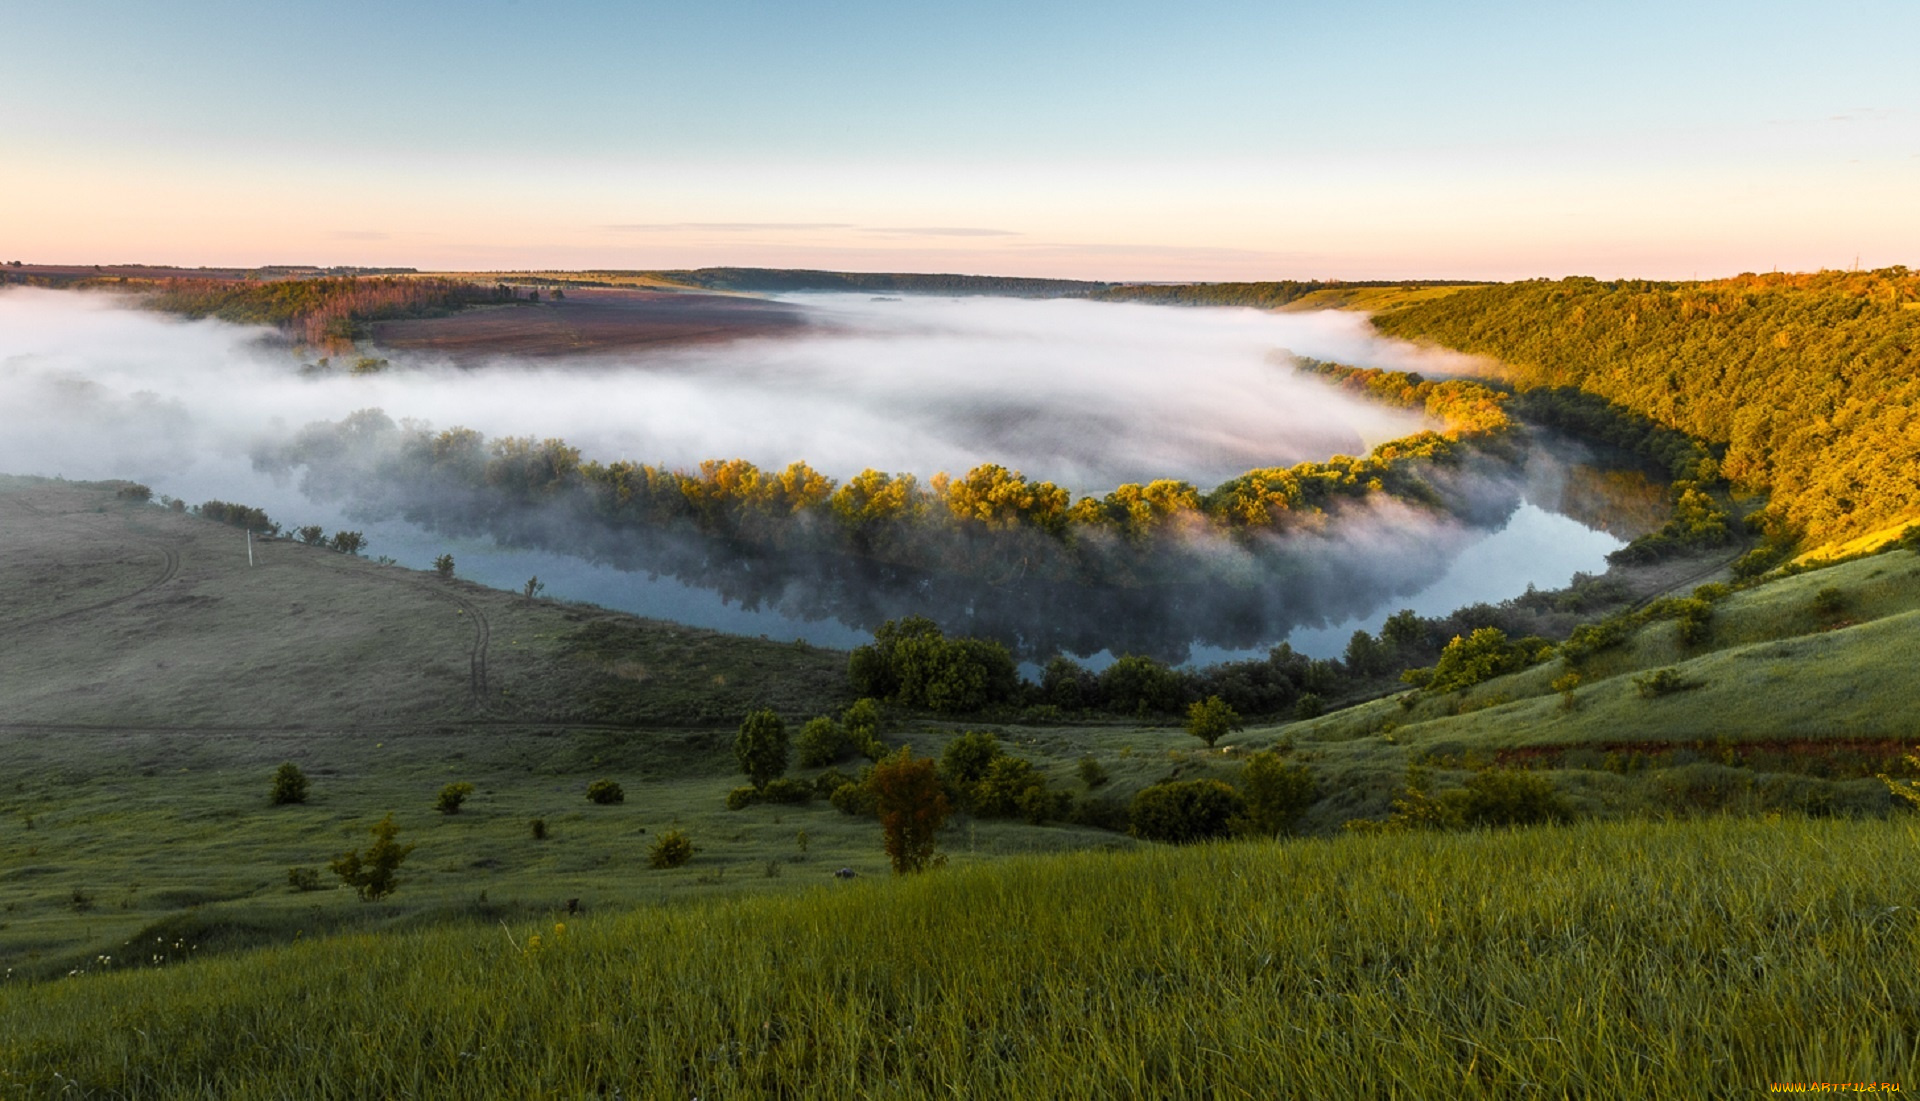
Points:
x=1124, y=140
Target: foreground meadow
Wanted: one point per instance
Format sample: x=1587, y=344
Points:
x=1601, y=959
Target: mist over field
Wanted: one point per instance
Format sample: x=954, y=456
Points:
x=1088, y=395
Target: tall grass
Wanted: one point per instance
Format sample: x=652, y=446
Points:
x=1624, y=959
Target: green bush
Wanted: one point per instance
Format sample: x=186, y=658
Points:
x=856, y=798
x=452, y=796
x=671, y=849
x=443, y=567
x=742, y=797
x=1092, y=772
x=373, y=876
x=1184, y=811
x=787, y=790
x=862, y=722
x=1012, y=787
x=1511, y=797
x=1277, y=793
x=761, y=746
x=1829, y=602
x=605, y=792
x=966, y=759
x=538, y=827
x=303, y=879
x=1662, y=682
x=289, y=785
x=822, y=742
x=1100, y=813
x=830, y=781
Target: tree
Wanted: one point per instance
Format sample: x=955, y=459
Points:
x=912, y=807
x=289, y=785
x=1277, y=793
x=373, y=876
x=534, y=587
x=1211, y=719
x=443, y=566
x=761, y=746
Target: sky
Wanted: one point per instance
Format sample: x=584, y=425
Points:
x=1214, y=139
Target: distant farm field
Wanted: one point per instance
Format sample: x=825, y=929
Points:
x=589, y=321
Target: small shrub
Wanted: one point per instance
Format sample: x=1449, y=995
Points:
x=1013, y=787
x=822, y=742
x=671, y=849
x=289, y=785
x=134, y=491
x=1309, y=706
x=787, y=790
x=1511, y=797
x=349, y=542
x=1184, y=811
x=1829, y=601
x=1662, y=682
x=303, y=879
x=830, y=781
x=313, y=535
x=443, y=566
x=966, y=759
x=856, y=798
x=742, y=797
x=1211, y=719
x=761, y=746
x=1092, y=772
x=1277, y=793
x=862, y=723
x=374, y=875
x=605, y=792
x=452, y=796
x=538, y=827
x=1565, y=684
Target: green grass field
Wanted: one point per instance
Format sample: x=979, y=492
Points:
x=1719, y=916
x=1601, y=960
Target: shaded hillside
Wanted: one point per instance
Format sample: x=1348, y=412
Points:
x=1810, y=381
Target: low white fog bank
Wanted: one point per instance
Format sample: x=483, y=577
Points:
x=1085, y=394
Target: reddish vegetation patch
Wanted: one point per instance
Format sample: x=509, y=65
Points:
x=587, y=321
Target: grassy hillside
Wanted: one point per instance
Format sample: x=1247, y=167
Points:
x=1601, y=960
x=1809, y=381
x=1801, y=693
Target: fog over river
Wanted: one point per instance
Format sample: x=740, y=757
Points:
x=1088, y=395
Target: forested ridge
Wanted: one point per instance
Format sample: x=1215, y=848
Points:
x=1809, y=382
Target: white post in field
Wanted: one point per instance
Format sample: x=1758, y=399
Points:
x=249, y=546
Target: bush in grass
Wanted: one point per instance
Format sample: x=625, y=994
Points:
x=452, y=796
x=374, y=875
x=1277, y=793
x=1829, y=601
x=761, y=746
x=785, y=790
x=1092, y=772
x=1183, y=811
x=1662, y=682
x=1011, y=788
x=830, y=781
x=671, y=849
x=1211, y=719
x=823, y=742
x=856, y=797
x=538, y=827
x=966, y=759
x=912, y=807
x=289, y=785
x=606, y=792
x=443, y=567
x=303, y=879
x=862, y=723
x=1511, y=797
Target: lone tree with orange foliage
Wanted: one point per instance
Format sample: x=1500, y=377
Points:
x=912, y=806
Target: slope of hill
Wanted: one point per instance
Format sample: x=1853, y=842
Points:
x=1809, y=381
x=1615, y=960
